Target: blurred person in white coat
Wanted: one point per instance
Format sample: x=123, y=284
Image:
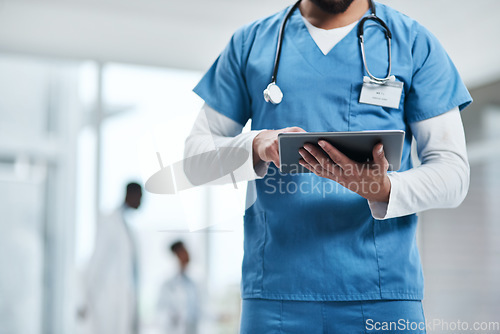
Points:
x=112, y=278
x=178, y=303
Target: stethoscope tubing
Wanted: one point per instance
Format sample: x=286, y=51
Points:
x=280, y=41
x=361, y=24
x=388, y=36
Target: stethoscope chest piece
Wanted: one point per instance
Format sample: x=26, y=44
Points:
x=273, y=93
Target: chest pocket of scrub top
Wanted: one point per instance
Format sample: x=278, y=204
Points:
x=370, y=117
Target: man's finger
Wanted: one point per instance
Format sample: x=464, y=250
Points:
x=294, y=129
x=275, y=157
x=318, y=154
x=304, y=164
x=311, y=160
x=319, y=172
x=379, y=156
x=338, y=157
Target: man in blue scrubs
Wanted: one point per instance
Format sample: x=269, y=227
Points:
x=334, y=251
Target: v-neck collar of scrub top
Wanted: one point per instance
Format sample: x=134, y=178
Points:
x=298, y=33
x=326, y=39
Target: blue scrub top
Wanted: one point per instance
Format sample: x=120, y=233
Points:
x=306, y=237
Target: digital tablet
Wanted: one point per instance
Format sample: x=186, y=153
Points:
x=357, y=145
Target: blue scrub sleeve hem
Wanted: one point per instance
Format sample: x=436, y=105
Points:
x=213, y=104
x=461, y=103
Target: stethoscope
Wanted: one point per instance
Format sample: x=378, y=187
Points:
x=274, y=94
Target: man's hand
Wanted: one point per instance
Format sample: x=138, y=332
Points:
x=265, y=145
x=369, y=180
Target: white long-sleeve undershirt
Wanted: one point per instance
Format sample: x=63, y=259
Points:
x=441, y=181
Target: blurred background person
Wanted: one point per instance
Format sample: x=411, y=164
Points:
x=112, y=277
x=178, y=303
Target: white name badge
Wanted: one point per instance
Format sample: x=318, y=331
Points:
x=385, y=95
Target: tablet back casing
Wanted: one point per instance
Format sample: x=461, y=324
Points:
x=357, y=145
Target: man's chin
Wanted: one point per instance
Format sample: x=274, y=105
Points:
x=333, y=6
